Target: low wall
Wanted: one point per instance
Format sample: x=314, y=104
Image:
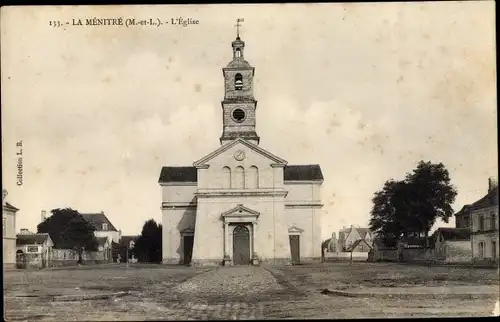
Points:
x=345, y=256
x=29, y=260
x=59, y=258
x=458, y=252
x=417, y=254
x=390, y=255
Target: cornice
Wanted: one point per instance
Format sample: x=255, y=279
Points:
x=178, y=205
x=304, y=205
x=204, y=161
x=318, y=182
x=239, y=193
x=176, y=184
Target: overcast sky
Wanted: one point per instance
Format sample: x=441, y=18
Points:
x=364, y=90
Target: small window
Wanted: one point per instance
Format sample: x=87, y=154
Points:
x=493, y=220
x=32, y=249
x=238, y=52
x=481, y=223
x=494, y=249
x=481, y=250
x=104, y=226
x=238, y=82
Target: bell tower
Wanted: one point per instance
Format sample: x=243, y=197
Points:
x=239, y=105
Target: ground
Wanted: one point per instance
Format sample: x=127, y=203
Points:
x=327, y=290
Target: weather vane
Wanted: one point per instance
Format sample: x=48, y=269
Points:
x=238, y=26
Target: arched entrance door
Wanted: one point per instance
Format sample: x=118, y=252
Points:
x=241, y=245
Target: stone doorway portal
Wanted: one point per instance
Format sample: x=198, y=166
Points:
x=241, y=245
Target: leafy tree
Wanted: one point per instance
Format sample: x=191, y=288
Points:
x=389, y=212
x=411, y=207
x=69, y=230
x=431, y=196
x=148, y=245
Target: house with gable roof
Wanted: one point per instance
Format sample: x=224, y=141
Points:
x=363, y=238
x=33, y=250
x=103, y=226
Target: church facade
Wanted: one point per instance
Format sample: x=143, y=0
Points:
x=240, y=204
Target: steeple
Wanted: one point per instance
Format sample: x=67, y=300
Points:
x=239, y=104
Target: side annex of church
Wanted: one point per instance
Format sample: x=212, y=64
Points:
x=240, y=204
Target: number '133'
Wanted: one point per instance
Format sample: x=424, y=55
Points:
x=55, y=23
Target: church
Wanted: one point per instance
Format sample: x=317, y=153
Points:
x=240, y=204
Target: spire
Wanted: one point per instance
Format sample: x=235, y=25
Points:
x=238, y=44
x=238, y=27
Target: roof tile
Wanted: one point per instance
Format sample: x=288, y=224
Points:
x=97, y=219
x=291, y=173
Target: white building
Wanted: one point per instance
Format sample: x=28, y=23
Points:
x=484, y=234
x=241, y=204
x=8, y=232
x=103, y=226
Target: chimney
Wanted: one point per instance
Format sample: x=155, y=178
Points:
x=44, y=215
x=492, y=184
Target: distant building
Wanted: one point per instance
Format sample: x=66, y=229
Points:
x=129, y=241
x=8, y=232
x=25, y=231
x=484, y=218
x=103, y=226
x=128, y=245
x=104, y=249
x=331, y=244
x=349, y=236
x=33, y=250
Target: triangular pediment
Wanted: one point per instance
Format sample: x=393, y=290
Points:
x=276, y=160
x=188, y=230
x=295, y=230
x=240, y=210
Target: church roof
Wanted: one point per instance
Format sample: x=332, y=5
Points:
x=98, y=219
x=178, y=174
x=303, y=172
x=238, y=63
x=291, y=173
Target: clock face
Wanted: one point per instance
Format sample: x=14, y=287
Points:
x=238, y=115
x=239, y=155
